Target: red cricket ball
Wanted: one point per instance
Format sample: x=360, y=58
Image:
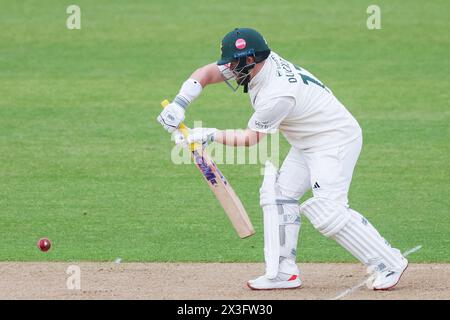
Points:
x=44, y=244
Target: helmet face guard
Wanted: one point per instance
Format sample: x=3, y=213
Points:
x=238, y=70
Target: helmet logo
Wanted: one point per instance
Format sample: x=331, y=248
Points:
x=240, y=43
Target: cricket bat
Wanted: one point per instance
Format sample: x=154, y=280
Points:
x=219, y=185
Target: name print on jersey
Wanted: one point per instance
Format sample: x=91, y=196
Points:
x=282, y=64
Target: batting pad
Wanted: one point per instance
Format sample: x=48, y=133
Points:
x=352, y=231
x=281, y=226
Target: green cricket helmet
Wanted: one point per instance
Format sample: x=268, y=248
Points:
x=236, y=46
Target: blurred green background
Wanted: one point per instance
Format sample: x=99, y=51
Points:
x=84, y=162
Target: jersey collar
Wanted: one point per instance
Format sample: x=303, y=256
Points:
x=257, y=80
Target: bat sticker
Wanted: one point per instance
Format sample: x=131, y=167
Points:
x=205, y=168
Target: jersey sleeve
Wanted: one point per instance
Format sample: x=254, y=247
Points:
x=268, y=117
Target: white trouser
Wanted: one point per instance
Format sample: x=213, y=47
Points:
x=329, y=174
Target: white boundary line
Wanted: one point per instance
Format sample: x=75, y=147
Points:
x=361, y=284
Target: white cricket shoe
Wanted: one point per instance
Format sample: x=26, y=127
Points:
x=387, y=279
x=282, y=281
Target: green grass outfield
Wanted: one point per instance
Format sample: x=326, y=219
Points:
x=84, y=162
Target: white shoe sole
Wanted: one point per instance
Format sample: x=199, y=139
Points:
x=285, y=285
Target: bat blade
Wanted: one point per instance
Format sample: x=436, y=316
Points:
x=224, y=192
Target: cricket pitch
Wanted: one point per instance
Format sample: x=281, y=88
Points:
x=187, y=281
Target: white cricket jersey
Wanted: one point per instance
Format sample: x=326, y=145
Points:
x=291, y=99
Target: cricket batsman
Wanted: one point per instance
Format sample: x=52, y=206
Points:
x=325, y=141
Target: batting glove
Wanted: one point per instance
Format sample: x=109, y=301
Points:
x=202, y=135
x=178, y=138
x=171, y=117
